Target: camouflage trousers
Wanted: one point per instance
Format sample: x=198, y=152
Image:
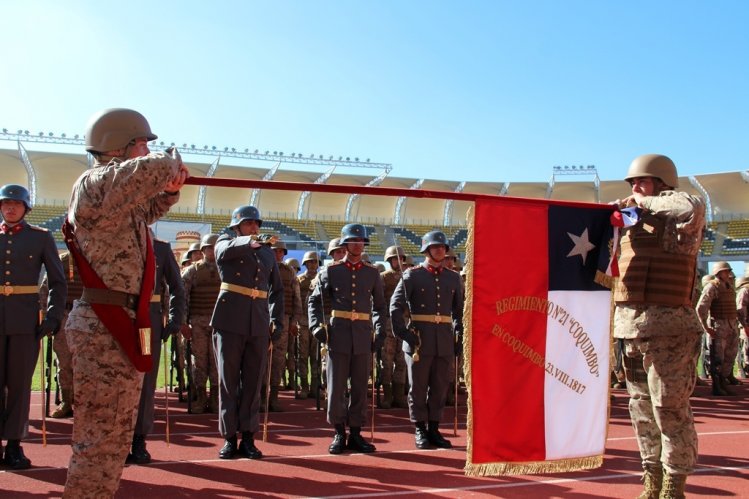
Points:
x=291, y=359
x=64, y=359
x=106, y=398
x=307, y=347
x=744, y=354
x=724, y=346
x=660, y=373
x=278, y=362
x=393, y=360
x=203, y=356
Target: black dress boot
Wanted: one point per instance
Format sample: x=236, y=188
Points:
x=14, y=457
x=229, y=450
x=247, y=446
x=357, y=443
x=339, y=440
x=422, y=441
x=436, y=438
x=138, y=453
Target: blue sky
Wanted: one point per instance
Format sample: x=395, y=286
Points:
x=478, y=91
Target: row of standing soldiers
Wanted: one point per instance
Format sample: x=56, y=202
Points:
x=194, y=299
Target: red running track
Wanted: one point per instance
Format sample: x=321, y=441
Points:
x=297, y=464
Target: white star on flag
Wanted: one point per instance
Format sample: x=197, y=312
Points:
x=582, y=245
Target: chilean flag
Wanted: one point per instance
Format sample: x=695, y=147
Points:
x=538, y=314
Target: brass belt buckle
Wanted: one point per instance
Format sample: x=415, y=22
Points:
x=354, y=316
x=7, y=290
x=254, y=292
x=438, y=319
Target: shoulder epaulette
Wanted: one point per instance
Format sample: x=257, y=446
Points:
x=333, y=264
x=370, y=265
x=36, y=227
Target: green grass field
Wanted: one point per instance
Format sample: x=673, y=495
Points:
x=36, y=382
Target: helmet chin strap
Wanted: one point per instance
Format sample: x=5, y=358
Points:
x=431, y=257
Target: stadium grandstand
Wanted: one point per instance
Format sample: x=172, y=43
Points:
x=49, y=164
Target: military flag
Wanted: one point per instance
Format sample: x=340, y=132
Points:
x=538, y=314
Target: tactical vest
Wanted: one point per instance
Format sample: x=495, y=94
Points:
x=75, y=286
x=204, y=289
x=724, y=306
x=649, y=274
x=287, y=278
x=390, y=279
x=305, y=283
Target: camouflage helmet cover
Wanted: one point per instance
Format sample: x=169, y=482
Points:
x=208, y=240
x=278, y=244
x=334, y=244
x=720, y=266
x=112, y=129
x=16, y=192
x=654, y=165
x=293, y=263
x=432, y=238
x=394, y=252
x=193, y=247
x=309, y=256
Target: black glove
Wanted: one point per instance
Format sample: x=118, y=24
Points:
x=320, y=335
x=458, y=345
x=170, y=329
x=377, y=343
x=275, y=333
x=47, y=327
x=410, y=337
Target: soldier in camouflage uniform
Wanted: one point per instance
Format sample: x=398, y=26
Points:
x=307, y=343
x=742, y=308
x=357, y=301
x=202, y=282
x=718, y=315
x=25, y=249
x=292, y=313
x=654, y=316
x=392, y=358
x=111, y=206
x=167, y=281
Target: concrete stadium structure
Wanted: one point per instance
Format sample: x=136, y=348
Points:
x=49, y=166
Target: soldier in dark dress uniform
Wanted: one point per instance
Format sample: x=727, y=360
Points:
x=25, y=249
x=357, y=302
x=167, y=279
x=433, y=296
x=247, y=317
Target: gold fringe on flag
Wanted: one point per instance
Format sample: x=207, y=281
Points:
x=535, y=467
x=468, y=329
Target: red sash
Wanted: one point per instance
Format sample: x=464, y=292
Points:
x=115, y=318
